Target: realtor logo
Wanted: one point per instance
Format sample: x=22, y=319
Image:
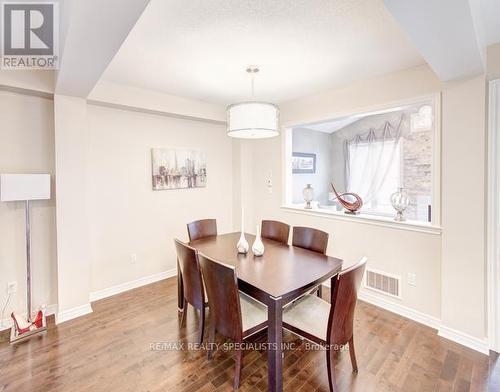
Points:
x=30, y=35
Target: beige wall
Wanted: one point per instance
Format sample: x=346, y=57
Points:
x=125, y=215
x=360, y=96
x=42, y=81
x=493, y=61
x=243, y=184
x=463, y=206
x=459, y=252
x=71, y=147
x=27, y=146
x=118, y=94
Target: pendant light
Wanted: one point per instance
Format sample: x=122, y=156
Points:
x=252, y=119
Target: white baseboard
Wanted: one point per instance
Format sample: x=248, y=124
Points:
x=464, y=339
x=7, y=322
x=415, y=315
x=78, y=311
x=472, y=342
x=73, y=313
x=120, y=288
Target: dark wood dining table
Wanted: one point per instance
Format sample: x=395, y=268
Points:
x=280, y=276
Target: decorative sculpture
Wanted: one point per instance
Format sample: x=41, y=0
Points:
x=258, y=245
x=242, y=244
x=352, y=207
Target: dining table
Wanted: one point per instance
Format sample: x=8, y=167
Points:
x=281, y=275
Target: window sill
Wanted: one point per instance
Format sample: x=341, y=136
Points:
x=409, y=225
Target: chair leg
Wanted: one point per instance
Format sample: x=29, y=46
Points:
x=353, y=355
x=211, y=341
x=320, y=291
x=330, y=364
x=184, y=311
x=237, y=368
x=202, y=325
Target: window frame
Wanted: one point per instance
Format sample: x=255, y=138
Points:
x=433, y=100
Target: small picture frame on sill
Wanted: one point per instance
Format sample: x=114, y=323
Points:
x=303, y=163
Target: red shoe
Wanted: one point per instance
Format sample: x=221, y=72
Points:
x=38, y=321
x=22, y=326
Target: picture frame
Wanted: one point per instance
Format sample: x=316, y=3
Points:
x=178, y=169
x=303, y=163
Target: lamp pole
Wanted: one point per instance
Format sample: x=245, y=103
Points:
x=28, y=258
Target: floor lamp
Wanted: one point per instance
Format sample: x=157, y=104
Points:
x=26, y=187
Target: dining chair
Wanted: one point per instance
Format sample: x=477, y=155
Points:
x=232, y=314
x=311, y=239
x=276, y=231
x=194, y=292
x=330, y=325
x=201, y=229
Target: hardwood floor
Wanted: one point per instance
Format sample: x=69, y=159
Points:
x=110, y=350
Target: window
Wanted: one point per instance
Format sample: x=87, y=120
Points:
x=375, y=172
x=372, y=155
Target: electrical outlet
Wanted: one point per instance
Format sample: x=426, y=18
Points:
x=11, y=287
x=133, y=258
x=412, y=279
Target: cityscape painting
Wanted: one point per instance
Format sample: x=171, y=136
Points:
x=178, y=169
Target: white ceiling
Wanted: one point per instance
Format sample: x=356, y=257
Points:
x=452, y=35
x=200, y=49
x=445, y=34
x=87, y=52
x=332, y=125
x=490, y=18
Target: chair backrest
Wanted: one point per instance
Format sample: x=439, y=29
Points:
x=201, y=229
x=191, y=274
x=276, y=231
x=309, y=238
x=223, y=297
x=345, y=295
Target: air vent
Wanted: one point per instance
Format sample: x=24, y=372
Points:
x=383, y=282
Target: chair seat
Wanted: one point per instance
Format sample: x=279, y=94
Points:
x=309, y=314
x=253, y=312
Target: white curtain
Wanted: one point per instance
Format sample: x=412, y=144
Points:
x=372, y=167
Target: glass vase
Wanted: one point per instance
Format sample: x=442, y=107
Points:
x=308, y=193
x=400, y=202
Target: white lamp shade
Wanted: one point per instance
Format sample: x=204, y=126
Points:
x=15, y=187
x=252, y=120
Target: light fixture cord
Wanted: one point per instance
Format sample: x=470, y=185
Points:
x=252, y=71
x=253, y=83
